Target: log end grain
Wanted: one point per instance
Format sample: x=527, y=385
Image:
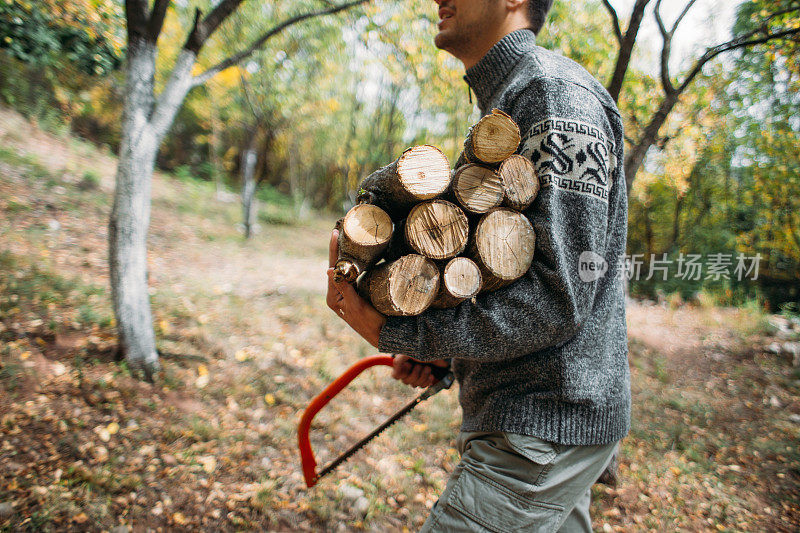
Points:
x=505, y=241
x=364, y=235
x=367, y=225
x=404, y=287
x=477, y=189
x=345, y=271
x=437, y=229
x=461, y=279
x=495, y=137
x=520, y=182
x=424, y=171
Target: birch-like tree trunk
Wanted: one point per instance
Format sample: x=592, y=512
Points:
x=146, y=120
x=144, y=124
x=130, y=215
x=249, y=208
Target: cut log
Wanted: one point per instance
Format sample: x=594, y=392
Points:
x=404, y=287
x=460, y=280
x=494, y=138
x=364, y=234
x=477, y=189
x=520, y=182
x=421, y=173
x=502, y=247
x=437, y=229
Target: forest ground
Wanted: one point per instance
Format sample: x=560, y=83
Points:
x=247, y=340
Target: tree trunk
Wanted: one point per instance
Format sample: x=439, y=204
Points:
x=249, y=207
x=144, y=124
x=130, y=215
x=637, y=153
x=626, y=49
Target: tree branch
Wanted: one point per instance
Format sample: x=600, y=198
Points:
x=156, y=19
x=680, y=17
x=258, y=43
x=737, y=42
x=202, y=31
x=626, y=49
x=666, y=48
x=614, y=20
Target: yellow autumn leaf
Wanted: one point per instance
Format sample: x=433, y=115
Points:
x=112, y=428
x=202, y=370
x=269, y=398
x=208, y=462
x=104, y=434
x=240, y=356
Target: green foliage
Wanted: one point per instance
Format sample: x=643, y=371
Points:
x=736, y=187
x=46, y=33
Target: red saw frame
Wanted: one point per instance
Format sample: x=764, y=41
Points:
x=322, y=399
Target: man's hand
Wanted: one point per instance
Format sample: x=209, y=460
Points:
x=345, y=301
x=413, y=372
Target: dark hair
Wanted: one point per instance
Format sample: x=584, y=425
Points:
x=537, y=13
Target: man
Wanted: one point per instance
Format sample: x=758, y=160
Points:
x=542, y=363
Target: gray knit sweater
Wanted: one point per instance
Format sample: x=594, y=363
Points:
x=547, y=355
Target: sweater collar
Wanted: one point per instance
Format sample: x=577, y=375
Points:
x=485, y=76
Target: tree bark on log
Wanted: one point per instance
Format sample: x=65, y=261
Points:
x=520, y=182
x=364, y=234
x=421, y=173
x=437, y=229
x=460, y=280
x=502, y=247
x=495, y=137
x=404, y=287
x=477, y=189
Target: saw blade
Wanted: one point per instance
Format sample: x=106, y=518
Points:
x=442, y=384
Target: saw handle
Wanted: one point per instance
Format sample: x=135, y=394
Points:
x=322, y=399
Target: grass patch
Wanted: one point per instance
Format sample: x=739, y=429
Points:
x=31, y=289
x=10, y=372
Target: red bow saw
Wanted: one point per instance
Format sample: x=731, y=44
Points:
x=444, y=375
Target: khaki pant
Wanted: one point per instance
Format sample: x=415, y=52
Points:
x=510, y=483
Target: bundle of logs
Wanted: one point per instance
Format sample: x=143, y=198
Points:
x=421, y=235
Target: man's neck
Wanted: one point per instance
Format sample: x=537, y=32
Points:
x=472, y=59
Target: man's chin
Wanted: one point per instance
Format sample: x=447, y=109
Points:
x=443, y=41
